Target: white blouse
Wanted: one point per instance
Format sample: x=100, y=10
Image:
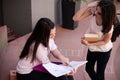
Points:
x=25, y=66
x=94, y=28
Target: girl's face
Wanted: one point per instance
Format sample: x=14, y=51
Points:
x=52, y=33
x=98, y=15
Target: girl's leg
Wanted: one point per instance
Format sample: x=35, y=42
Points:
x=23, y=76
x=101, y=64
x=36, y=75
x=66, y=78
x=91, y=58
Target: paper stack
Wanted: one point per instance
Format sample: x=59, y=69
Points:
x=91, y=37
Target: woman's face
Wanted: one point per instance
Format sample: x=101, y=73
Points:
x=98, y=15
x=52, y=33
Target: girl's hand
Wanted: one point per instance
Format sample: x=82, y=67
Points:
x=56, y=53
x=72, y=72
x=83, y=41
x=65, y=61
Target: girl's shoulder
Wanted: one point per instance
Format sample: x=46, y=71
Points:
x=111, y=30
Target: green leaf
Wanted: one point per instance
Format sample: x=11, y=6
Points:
x=84, y=0
x=77, y=0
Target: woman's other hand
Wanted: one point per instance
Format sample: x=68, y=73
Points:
x=83, y=41
x=72, y=72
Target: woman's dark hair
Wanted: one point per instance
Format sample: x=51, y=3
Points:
x=108, y=14
x=116, y=31
x=39, y=35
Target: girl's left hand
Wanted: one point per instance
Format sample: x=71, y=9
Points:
x=72, y=72
x=83, y=41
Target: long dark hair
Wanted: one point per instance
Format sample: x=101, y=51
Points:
x=39, y=35
x=108, y=14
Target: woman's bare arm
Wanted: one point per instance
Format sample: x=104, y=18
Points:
x=56, y=53
x=106, y=39
x=82, y=13
x=85, y=12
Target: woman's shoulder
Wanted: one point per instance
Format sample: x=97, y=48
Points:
x=41, y=47
x=51, y=41
x=111, y=30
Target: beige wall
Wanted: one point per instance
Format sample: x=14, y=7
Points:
x=117, y=60
x=10, y=56
x=42, y=8
x=3, y=43
x=3, y=39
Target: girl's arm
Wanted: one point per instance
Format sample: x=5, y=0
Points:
x=56, y=53
x=85, y=12
x=82, y=13
x=41, y=55
x=106, y=39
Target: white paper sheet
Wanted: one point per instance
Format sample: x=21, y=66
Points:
x=59, y=70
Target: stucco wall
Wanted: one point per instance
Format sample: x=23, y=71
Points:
x=10, y=56
x=3, y=39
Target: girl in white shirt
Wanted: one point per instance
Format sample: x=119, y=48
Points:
x=36, y=50
x=102, y=14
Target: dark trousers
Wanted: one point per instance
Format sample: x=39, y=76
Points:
x=102, y=59
x=36, y=75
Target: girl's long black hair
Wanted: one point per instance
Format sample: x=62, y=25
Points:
x=39, y=35
x=108, y=14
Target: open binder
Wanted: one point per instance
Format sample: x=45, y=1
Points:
x=60, y=69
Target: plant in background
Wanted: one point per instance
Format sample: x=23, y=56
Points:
x=116, y=0
x=76, y=0
x=68, y=10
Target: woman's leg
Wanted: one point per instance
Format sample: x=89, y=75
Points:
x=23, y=76
x=91, y=58
x=36, y=75
x=70, y=77
x=101, y=64
x=66, y=78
